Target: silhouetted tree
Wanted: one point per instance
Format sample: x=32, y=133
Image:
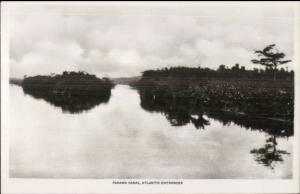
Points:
x=270, y=57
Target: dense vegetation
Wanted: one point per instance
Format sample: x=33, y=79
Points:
x=197, y=76
x=222, y=72
x=74, y=92
x=255, y=99
x=261, y=103
x=74, y=83
x=236, y=90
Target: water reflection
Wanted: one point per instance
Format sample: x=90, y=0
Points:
x=70, y=102
x=269, y=155
x=122, y=139
x=277, y=127
x=178, y=110
x=182, y=106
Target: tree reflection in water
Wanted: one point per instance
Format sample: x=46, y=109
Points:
x=269, y=155
x=183, y=105
x=178, y=109
x=69, y=102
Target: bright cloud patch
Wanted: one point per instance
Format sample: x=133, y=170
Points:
x=45, y=41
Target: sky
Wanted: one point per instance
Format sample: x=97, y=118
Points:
x=124, y=40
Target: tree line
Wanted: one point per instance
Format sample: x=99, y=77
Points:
x=269, y=57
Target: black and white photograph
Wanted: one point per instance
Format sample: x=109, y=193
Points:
x=138, y=93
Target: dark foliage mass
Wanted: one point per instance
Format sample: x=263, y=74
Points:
x=252, y=101
x=74, y=92
x=234, y=72
x=236, y=76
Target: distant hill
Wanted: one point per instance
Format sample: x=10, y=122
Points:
x=125, y=80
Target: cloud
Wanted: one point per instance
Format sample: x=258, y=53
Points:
x=117, y=42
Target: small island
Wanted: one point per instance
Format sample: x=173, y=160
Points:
x=68, y=83
x=73, y=91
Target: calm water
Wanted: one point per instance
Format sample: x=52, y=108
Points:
x=117, y=138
